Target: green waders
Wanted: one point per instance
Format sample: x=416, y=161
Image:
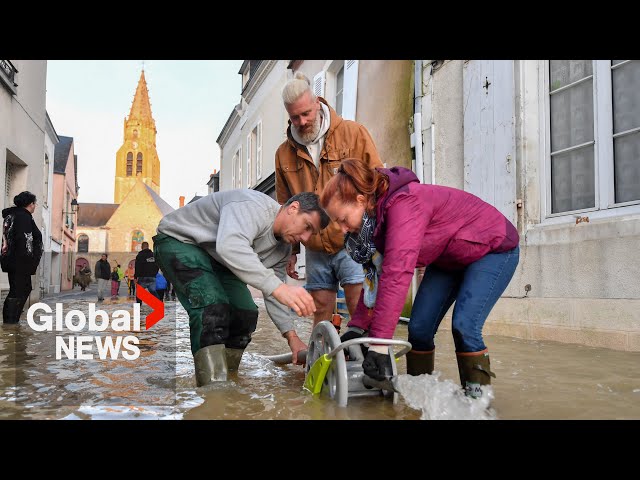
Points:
x=220, y=307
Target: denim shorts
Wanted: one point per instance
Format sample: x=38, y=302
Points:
x=325, y=271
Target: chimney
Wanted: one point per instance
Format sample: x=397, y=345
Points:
x=182, y=200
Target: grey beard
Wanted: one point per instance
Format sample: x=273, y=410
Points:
x=310, y=136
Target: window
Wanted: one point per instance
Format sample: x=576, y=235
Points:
x=139, y=163
x=594, y=131
x=67, y=219
x=254, y=155
x=46, y=181
x=8, y=180
x=338, y=84
x=83, y=243
x=237, y=169
x=129, y=164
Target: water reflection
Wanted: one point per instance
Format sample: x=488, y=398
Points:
x=535, y=380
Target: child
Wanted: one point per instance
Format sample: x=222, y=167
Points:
x=115, y=282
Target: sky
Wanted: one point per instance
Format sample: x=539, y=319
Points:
x=190, y=103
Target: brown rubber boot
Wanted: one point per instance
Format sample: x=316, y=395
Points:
x=474, y=369
x=420, y=362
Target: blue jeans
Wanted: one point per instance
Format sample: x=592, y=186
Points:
x=324, y=271
x=476, y=289
x=149, y=284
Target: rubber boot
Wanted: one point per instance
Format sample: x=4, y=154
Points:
x=12, y=309
x=474, y=369
x=234, y=355
x=210, y=364
x=420, y=362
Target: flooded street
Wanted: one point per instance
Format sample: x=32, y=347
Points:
x=535, y=380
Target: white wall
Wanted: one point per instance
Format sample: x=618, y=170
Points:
x=22, y=141
x=583, y=277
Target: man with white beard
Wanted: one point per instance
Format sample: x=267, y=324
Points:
x=318, y=139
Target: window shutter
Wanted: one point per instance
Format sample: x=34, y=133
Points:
x=233, y=171
x=318, y=84
x=259, y=152
x=239, y=185
x=350, y=92
x=489, y=133
x=249, y=160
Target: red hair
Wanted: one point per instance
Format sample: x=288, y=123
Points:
x=352, y=179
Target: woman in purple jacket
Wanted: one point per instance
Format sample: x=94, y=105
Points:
x=394, y=224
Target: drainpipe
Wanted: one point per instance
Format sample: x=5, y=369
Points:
x=416, y=138
x=417, y=121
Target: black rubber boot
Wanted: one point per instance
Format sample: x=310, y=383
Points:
x=215, y=324
x=474, y=369
x=243, y=324
x=420, y=362
x=12, y=309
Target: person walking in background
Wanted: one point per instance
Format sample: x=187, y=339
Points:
x=20, y=254
x=102, y=271
x=120, y=273
x=171, y=292
x=394, y=224
x=131, y=284
x=161, y=285
x=146, y=269
x=317, y=141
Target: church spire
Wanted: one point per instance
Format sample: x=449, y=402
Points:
x=141, y=107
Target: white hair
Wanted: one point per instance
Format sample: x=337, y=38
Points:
x=295, y=88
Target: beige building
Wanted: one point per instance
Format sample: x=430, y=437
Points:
x=555, y=145
x=22, y=140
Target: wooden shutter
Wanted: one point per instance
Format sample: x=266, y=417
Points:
x=489, y=133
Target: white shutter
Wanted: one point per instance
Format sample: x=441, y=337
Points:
x=259, y=152
x=239, y=185
x=350, y=91
x=234, y=166
x=318, y=84
x=249, y=160
x=489, y=133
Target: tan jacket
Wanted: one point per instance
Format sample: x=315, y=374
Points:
x=296, y=172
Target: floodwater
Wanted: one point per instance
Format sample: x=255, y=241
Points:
x=535, y=379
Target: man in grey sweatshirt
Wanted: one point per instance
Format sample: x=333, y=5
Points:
x=212, y=248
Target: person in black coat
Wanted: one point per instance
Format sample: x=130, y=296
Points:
x=21, y=252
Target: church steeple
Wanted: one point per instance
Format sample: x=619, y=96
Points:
x=141, y=107
x=137, y=158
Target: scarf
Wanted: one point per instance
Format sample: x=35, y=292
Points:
x=360, y=247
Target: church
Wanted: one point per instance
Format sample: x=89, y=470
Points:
x=119, y=228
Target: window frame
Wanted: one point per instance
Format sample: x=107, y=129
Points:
x=605, y=206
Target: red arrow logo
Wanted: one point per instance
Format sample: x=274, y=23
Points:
x=154, y=302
